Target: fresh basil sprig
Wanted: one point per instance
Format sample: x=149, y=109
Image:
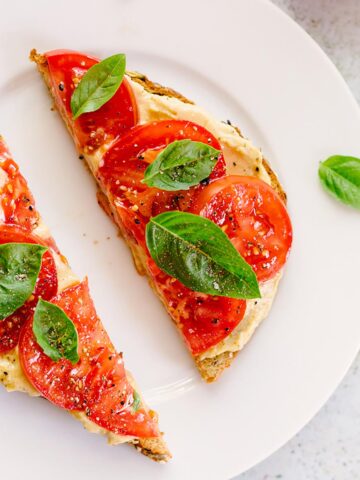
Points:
x=340, y=176
x=181, y=165
x=98, y=85
x=20, y=265
x=197, y=252
x=137, y=401
x=55, y=332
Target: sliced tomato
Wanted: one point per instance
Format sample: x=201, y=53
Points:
x=111, y=400
x=97, y=384
x=17, y=203
x=123, y=168
x=255, y=219
x=204, y=320
x=46, y=287
x=63, y=383
x=93, y=129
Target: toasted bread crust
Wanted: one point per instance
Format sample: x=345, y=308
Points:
x=154, y=448
x=210, y=368
x=156, y=88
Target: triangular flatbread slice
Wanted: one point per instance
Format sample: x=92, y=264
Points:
x=120, y=140
x=95, y=388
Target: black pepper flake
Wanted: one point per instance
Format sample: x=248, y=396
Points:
x=257, y=169
x=141, y=157
x=31, y=208
x=226, y=329
x=137, y=221
x=228, y=122
x=215, y=321
x=81, y=157
x=205, y=182
x=234, y=163
x=61, y=86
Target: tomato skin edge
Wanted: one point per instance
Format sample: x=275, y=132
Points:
x=258, y=207
x=58, y=381
x=105, y=122
x=46, y=286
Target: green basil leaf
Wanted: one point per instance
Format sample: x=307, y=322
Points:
x=198, y=253
x=98, y=85
x=340, y=176
x=181, y=165
x=20, y=265
x=55, y=332
x=137, y=401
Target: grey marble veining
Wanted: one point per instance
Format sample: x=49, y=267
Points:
x=328, y=448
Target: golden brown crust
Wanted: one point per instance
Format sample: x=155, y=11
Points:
x=156, y=88
x=275, y=181
x=210, y=368
x=38, y=58
x=154, y=448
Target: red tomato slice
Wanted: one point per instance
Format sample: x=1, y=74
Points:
x=125, y=162
x=111, y=398
x=97, y=384
x=204, y=320
x=63, y=383
x=254, y=218
x=93, y=129
x=46, y=287
x=17, y=203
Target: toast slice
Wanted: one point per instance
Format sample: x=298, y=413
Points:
x=25, y=367
x=155, y=103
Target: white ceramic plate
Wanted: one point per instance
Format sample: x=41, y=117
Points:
x=243, y=60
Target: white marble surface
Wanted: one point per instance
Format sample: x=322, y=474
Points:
x=328, y=448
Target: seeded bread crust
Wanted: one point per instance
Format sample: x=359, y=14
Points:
x=156, y=88
x=212, y=367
